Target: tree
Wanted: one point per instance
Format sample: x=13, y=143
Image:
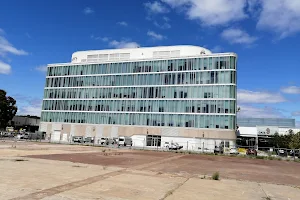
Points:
x=8, y=109
x=295, y=141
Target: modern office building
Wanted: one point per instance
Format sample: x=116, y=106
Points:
x=153, y=94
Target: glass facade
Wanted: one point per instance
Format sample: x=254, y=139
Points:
x=193, y=92
x=253, y=122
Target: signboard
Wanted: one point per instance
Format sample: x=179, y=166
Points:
x=267, y=130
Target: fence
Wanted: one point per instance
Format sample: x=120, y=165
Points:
x=201, y=146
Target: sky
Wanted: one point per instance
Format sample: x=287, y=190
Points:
x=265, y=34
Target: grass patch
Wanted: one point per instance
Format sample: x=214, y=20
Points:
x=260, y=157
x=216, y=176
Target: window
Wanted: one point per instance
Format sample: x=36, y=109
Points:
x=227, y=144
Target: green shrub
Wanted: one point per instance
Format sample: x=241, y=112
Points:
x=215, y=176
x=260, y=157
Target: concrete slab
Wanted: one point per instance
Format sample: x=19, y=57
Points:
x=281, y=192
x=124, y=186
x=231, y=189
x=19, y=178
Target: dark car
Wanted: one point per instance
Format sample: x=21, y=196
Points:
x=89, y=140
x=251, y=152
x=218, y=150
x=296, y=153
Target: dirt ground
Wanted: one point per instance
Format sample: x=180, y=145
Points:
x=70, y=172
x=269, y=171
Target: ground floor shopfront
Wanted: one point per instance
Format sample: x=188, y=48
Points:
x=142, y=136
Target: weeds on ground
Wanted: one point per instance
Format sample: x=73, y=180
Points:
x=103, y=150
x=267, y=198
x=104, y=167
x=215, y=176
x=259, y=157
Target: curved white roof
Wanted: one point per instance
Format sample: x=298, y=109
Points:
x=142, y=53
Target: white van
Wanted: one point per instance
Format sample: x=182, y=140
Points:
x=124, y=141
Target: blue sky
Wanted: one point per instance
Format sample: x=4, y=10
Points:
x=264, y=34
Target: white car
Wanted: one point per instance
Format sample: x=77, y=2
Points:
x=233, y=151
x=104, y=141
x=172, y=146
x=124, y=141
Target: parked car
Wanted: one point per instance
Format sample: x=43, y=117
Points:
x=26, y=136
x=297, y=153
x=89, y=140
x=251, y=152
x=124, y=141
x=233, y=151
x=172, y=146
x=218, y=150
x=282, y=152
x=205, y=150
x=78, y=139
x=104, y=141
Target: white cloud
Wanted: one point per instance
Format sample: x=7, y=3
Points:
x=162, y=26
x=155, y=36
x=247, y=96
x=166, y=19
x=237, y=36
x=28, y=105
x=6, y=47
x=211, y=12
x=280, y=16
x=291, y=90
x=123, y=44
x=217, y=49
x=30, y=110
x=42, y=68
x=296, y=113
x=252, y=6
x=122, y=23
x=259, y=112
x=88, y=11
x=103, y=39
x=156, y=7
x=4, y=68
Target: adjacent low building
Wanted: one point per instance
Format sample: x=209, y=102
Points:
x=258, y=131
x=27, y=122
x=155, y=94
